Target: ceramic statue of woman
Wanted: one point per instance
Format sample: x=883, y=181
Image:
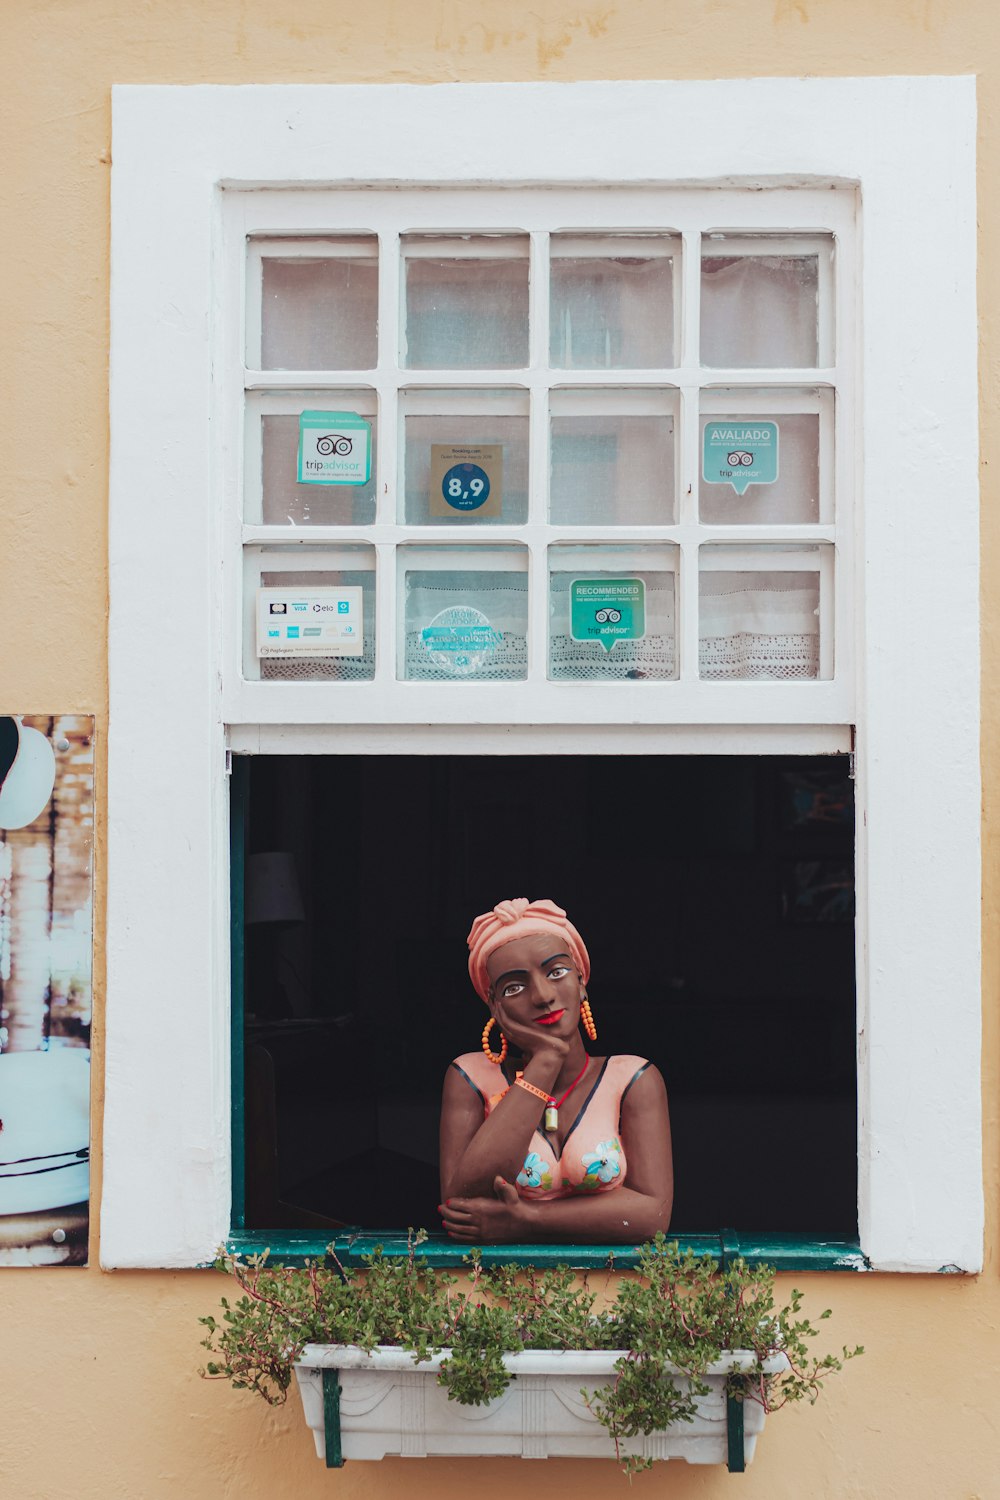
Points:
x=540, y=1140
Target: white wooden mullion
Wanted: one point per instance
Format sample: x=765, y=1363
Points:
x=846, y=452
x=252, y=487
x=346, y=212
x=827, y=352
x=724, y=242
x=252, y=342
x=601, y=246
x=388, y=501
x=688, y=338
x=544, y=739
x=465, y=244
x=639, y=401
x=468, y=559
x=513, y=402
x=747, y=558
x=272, y=403
x=538, y=702
x=316, y=380
x=325, y=247
x=827, y=613
x=762, y=400
x=466, y=534
x=386, y=598
x=716, y=377
x=829, y=501
x=538, y=457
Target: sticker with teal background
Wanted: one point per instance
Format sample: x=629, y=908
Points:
x=335, y=447
x=607, y=610
x=740, y=453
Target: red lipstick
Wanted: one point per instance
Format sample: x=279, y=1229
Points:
x=550, y=1019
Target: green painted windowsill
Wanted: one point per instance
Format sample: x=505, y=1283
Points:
x=786, y=1252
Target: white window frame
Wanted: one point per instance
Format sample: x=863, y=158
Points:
x=259, y=223
x=907, y=145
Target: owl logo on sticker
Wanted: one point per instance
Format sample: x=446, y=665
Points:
x=334, y=442
x=739, y=458
x=608, y=616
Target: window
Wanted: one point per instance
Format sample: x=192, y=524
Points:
x=756, y=622
x=654, y=405
x=719, y=922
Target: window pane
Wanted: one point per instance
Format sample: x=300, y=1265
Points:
x=468, y=310
x=611, y=303
x=762, y=613
x=759, y=466
x=300, y=573
x=319, y=313
x=465, y=614
x=610, y=466
x=612, y=613
x=272, y=446
x=451, y=437
x=758, y=309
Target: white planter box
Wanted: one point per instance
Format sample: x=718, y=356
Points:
x=390, y=1406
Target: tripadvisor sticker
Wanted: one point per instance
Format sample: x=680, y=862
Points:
x=740, y=454
x=607, y=610
x=335, y=447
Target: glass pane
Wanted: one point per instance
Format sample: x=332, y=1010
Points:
x=341, y=568
x=465, y=615
x=319, y=313
x=451, y=437
x=611, y=467
x=285, y=502
x=613, y=308
x=468, y=311
x=759, y=310
x=761, y=613
x=760, y=467
x=610, y=620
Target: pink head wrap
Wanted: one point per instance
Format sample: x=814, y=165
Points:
x=515, y=919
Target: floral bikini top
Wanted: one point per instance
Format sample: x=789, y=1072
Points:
x=593, y=1159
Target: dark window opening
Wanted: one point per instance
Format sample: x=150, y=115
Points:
x=716, y=897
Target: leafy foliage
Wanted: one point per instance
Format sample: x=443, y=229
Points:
x=674, y=1317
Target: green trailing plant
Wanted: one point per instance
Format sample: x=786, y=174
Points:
x=677, y=1314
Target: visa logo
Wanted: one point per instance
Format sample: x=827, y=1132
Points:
x=299, y=607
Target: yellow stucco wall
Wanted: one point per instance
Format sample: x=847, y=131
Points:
x=99, y=1395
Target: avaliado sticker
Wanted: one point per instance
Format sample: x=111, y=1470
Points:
x=740, y=454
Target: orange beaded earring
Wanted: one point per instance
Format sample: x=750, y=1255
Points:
x=494, y=1057
x=587, y=1017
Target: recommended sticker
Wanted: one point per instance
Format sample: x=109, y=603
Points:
x=335, y=447
x=466, y=480
x=460, y=640
x=317, y=622
x=607, y=610
x=740, y=454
